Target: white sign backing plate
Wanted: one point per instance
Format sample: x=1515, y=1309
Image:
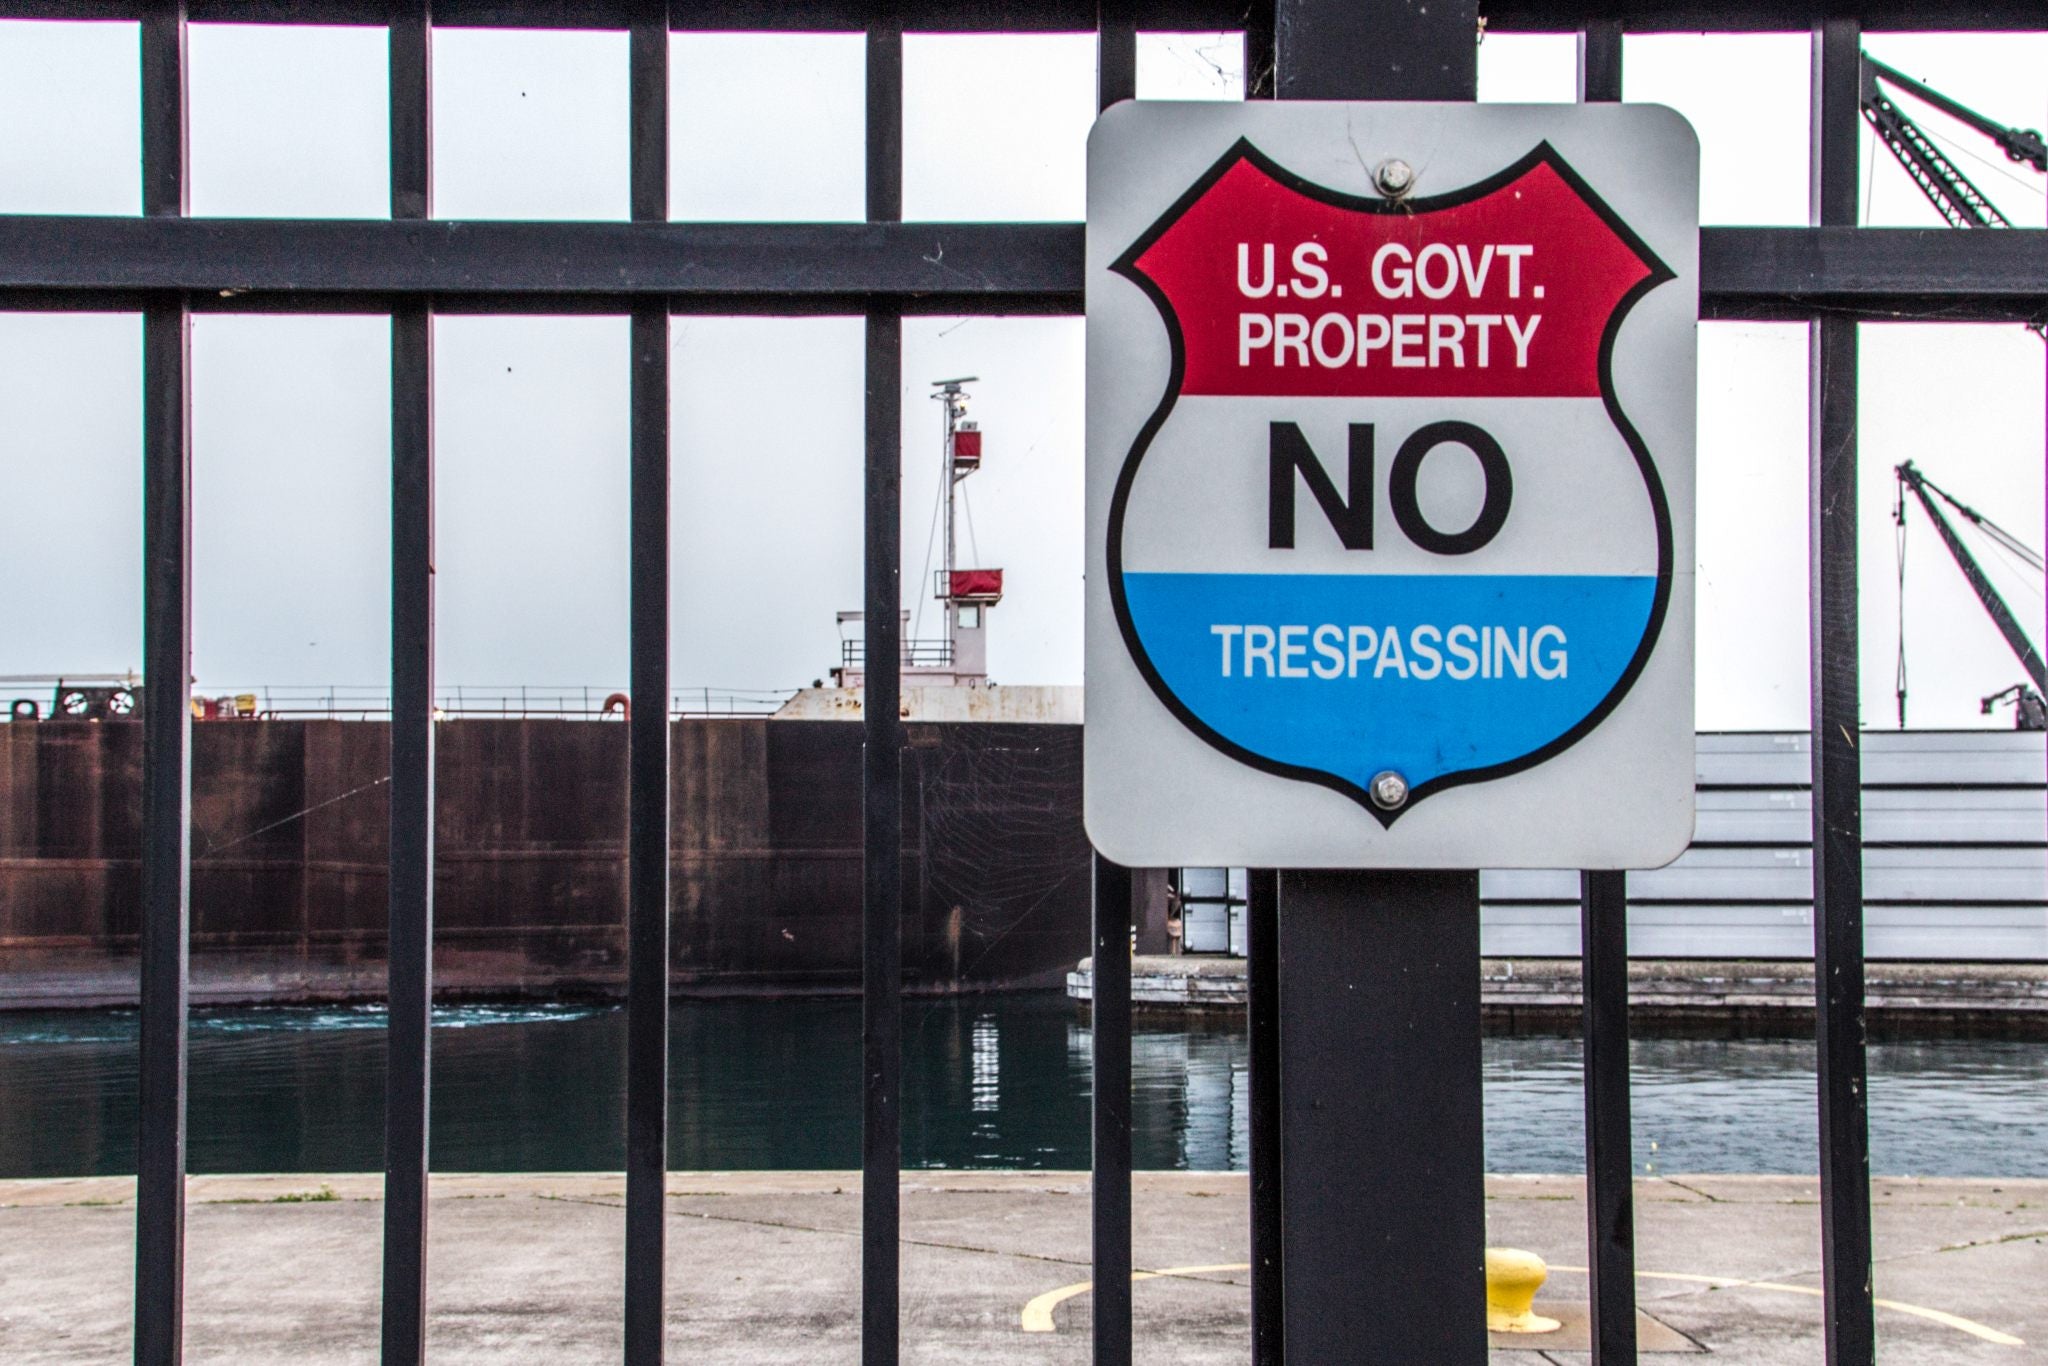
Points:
x=1390, y=499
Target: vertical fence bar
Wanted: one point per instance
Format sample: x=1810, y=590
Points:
x=1603, y=984
x=1837, y=735
x=1262, y=966
x=647, y=875
x=1110, y=1182
x=1600, y=62
x=882, y=883
x=412, y=718
x=1610, y=1164
x=1116, y=78
x=882, y=754
x=1116, y=53
x=1384, y=1205
x=1258, y=50
x=166, y=724
x=1262, y=989
x=885, y=119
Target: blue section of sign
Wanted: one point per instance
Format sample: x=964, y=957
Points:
x=1355, y=674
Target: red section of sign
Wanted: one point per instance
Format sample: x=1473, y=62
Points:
x=1277, y=290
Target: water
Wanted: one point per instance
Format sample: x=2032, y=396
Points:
x=994, y=1082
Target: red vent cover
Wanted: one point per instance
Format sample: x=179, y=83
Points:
x=978, y=583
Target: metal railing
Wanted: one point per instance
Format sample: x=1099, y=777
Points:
x=368, y=702
x=509, y=701
x=934, y=653
x=167, y=266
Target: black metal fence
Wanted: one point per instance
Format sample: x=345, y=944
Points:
x=169, y=266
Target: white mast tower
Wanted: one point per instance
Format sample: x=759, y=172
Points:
x=966, y=593
x=960, y=659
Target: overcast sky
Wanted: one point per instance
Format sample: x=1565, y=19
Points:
x=290, y=414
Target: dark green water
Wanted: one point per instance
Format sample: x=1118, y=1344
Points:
x=993, y=1082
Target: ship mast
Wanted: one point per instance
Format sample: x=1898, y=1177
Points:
x=952, y=399
x=966, y=593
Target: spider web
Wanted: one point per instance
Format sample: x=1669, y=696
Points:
x=1003, y=842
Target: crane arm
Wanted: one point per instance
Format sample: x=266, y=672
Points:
x=2001, y=616
x=1954, y=195
x=2018, y=144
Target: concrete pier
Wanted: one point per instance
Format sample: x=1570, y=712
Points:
x=1668, y=996
x=763, y=1268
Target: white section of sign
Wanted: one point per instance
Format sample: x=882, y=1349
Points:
x=1391, y=489
x=1188, y=526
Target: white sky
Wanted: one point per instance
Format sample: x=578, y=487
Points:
x=291, y=428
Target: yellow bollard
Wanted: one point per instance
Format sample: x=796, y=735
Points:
x=1512, y=1279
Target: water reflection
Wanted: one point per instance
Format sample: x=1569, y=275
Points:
x=988, y=1082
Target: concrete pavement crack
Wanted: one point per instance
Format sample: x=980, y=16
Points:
x=1707, y=1196
x=1980, y=1242
x=834, y=1232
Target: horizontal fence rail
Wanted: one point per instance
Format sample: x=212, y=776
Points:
x=1042, y=16
x=232, y=265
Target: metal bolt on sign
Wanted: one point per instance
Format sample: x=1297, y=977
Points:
x=1389, y=790
x=1395, y=177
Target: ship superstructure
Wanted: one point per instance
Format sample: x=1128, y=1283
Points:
x=959, y=658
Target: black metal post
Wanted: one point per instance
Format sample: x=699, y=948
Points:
x=1600, y=46
x=882, y=884
x=1837, y=734
x=1116, y=78
x=647, y=855
x=1110, y=1182
x=167, y=725
x=1603, y=985
x=1334, y=51
x=884, y=116
x=1258, y=50
x=1262, y=990
x=411, y=886
x=1382, y=1146
x=1610, y=1163
x=1383, y=1152
x=1116, y=53
x=882, y=755
x=1262, y=966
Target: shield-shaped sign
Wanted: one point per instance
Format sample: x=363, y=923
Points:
x=1388, y=527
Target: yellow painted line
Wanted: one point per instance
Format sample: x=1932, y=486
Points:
x=1918, y=1311
x=1037, y=1315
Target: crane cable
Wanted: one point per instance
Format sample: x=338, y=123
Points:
x=2010, y=542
